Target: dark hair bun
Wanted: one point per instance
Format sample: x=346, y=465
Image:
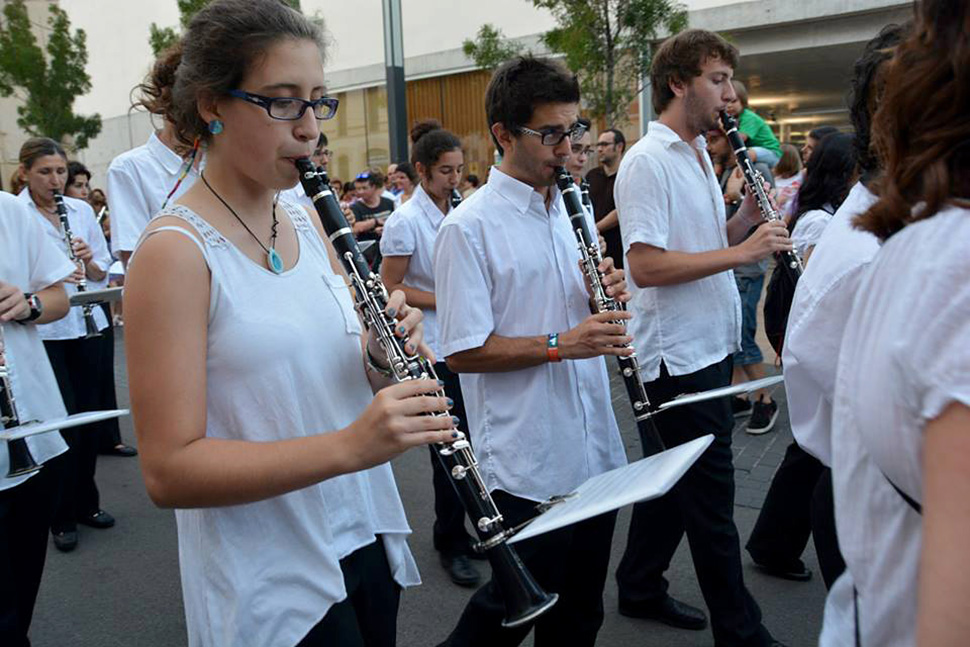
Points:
x=422, y=128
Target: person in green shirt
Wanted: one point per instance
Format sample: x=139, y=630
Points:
x=762, y=144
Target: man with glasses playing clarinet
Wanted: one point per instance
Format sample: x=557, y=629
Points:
x=31, y=270
x=514, y=322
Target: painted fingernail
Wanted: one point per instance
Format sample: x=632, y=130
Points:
x=391, y=311
x=441, y=382
x=455, y=420
x=402, y=329
x=454, y=434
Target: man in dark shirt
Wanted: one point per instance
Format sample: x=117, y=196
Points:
x=370, y=209
x=610, y=147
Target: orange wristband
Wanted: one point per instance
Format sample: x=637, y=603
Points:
x=552, y=347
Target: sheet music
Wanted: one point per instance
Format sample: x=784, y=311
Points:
x=647, y=478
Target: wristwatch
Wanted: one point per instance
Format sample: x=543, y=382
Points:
x=36, y=308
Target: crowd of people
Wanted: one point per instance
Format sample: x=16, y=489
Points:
x=234, y=372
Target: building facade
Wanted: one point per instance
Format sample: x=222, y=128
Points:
x=796, y=61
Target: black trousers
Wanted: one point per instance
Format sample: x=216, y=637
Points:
x=25, y=516
x=571, y=562
x=109, y=434
x=450, y=536
x=700, y=505
x=76, y=364
x=799, y=503
x=367, y=617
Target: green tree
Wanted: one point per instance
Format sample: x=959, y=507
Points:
x=48, y=85
x=607, y=44
x=161, y=38
x=491, y=48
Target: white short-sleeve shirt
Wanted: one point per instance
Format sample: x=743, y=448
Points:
x=905, y=357
x=816, y=322
x=504, y=265
x=138, y=182
x=84, y=225
x=411, y=231
x=666, y=198
x=809, y=229
x=30, y=261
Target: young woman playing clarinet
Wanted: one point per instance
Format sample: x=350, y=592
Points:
x=252, y=381
x=75, y=356
x=407, y=246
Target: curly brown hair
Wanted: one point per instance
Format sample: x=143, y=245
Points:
x=921, y=132
x=680, y=58
x=155, y=92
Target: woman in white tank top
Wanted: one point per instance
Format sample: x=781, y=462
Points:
x=252, y=398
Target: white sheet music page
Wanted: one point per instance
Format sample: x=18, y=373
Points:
x=647, y=478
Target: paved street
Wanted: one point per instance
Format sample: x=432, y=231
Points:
x=121, y=586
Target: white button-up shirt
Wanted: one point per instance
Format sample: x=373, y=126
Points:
x=84, y=225
x=504, y=265
x=666, y=198
x=817, y=319
x=30, y=261
x=138, y=181
x=905, y=357
x=410, y=231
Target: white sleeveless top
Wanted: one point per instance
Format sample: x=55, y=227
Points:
x=283, y=360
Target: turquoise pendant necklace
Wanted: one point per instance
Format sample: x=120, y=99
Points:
x=273, y=260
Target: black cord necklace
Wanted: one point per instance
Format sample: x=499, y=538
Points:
x=273, y=259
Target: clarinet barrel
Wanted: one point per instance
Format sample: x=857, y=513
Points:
x=524, y=598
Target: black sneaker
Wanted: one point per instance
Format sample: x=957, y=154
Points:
x=763, y=416
x=740, y=407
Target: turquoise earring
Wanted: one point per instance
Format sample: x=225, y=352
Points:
x=215, y=126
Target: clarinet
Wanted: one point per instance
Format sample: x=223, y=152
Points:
x=590, y=259
x=524, y=599
x=455, y=198
x=755, y=183
x=584, y=190
x=82, y=285
x=21, y=461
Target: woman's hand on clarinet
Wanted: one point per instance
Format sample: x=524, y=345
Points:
x=599, y=334
x=408, y=323
x=396, y=420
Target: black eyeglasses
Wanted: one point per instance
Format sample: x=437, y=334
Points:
x=554, y=137
x=290, y=108
x=579, y=149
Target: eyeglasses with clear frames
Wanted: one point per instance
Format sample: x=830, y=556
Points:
x=290, y=108
x=553, y=138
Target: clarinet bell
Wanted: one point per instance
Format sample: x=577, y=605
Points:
x=21, y=461
x=90, y=326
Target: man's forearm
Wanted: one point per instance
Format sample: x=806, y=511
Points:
x=609, y=221
x=737, y=228
x=55, y=304
x=500, y=354
x=657, y=267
